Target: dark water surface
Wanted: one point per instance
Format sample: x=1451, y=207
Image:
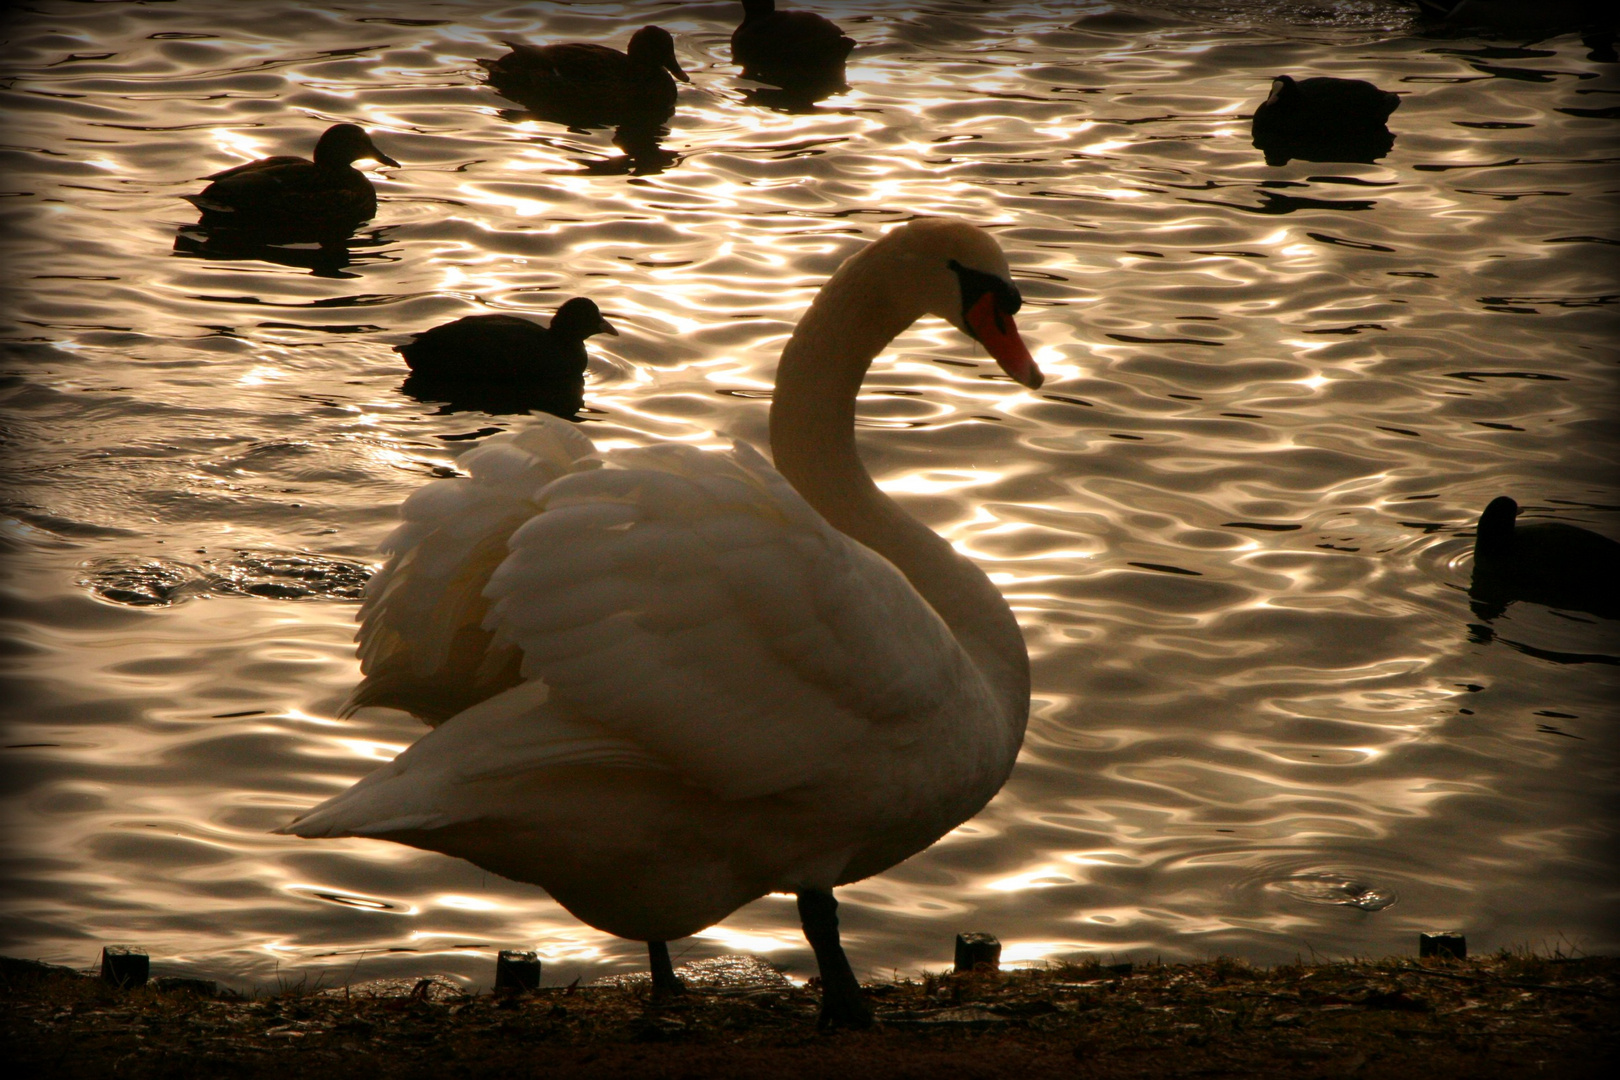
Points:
x=1235, y=523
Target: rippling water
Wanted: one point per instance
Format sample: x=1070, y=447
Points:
x=1235, y=523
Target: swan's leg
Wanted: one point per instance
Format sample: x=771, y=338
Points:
x=663, y=972
x=842, y=1003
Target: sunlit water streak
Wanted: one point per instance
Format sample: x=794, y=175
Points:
x=1234, y=522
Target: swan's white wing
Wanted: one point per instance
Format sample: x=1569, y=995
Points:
x=435, y=783
x=422, y=647
x=695, y=605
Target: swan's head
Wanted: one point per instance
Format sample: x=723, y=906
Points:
x=959, y=273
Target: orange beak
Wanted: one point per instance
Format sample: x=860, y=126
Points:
x=998, y=334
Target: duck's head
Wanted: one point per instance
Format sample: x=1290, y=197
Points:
x=578, y=319
x=958, y=272
x=1495, y=530
x=1283, y=89
x=344, y=144
x=653, y=45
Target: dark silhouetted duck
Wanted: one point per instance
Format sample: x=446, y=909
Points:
x=499, y=348
x=587, y=85
x=1324, y=119
x=788, y=48
x=1305, y=107
x=1544, y=562
x=505, y=364
x=287, y=194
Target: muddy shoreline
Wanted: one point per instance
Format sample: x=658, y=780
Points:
x=1509, y=1015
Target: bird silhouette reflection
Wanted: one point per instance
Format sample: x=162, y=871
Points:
x=641, y=141
x=796, y=94
x=563, y=397
x=643, y=155
x=330, y=257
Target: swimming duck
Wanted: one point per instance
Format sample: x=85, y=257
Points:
x=789, y=48
x=296, y=195
x=1309, y=106
x=1544, y=562
x=504, y=364
x=667, y=682
x=507, y=348
x=587, y=84
x=1324, y=119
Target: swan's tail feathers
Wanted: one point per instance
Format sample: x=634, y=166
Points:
x=422, y=645
x=361, y=817
x=396, y=798
x=461, y=770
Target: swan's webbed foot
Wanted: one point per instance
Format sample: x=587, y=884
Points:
x=665, y=984
x=842, y=1003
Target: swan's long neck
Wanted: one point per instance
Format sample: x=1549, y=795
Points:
x=813, y=442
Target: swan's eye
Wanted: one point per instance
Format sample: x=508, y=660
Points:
x=976, y=283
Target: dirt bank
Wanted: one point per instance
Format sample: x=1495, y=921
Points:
x=1505, y=1016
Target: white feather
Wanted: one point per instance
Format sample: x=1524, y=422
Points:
x=436, y=782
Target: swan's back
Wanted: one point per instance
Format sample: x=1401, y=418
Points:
x=689, y=601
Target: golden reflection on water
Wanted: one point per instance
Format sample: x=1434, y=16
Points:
x=1234, y=523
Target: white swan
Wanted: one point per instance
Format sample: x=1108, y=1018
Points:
x=673, y=681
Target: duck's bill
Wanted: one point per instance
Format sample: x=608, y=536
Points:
x=675, y=70
x=384, y=159
x=605, y=327
x=999, y=334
